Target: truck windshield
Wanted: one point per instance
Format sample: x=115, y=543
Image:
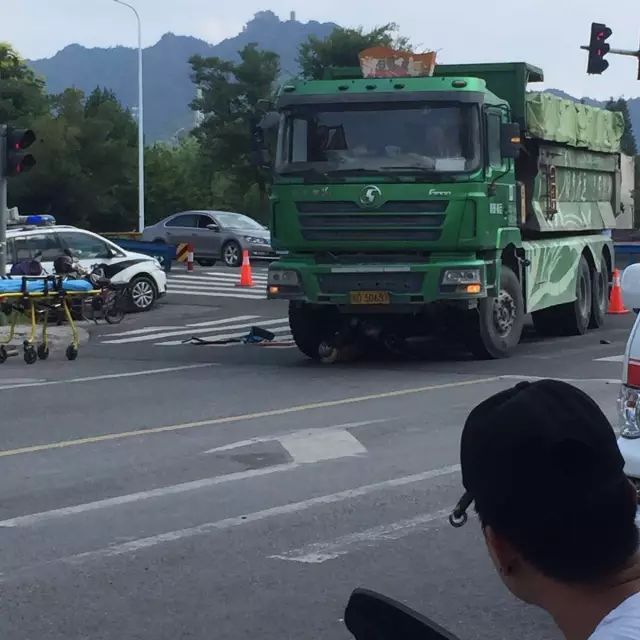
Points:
x=343, y=138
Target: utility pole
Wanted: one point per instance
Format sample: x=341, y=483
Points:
x=4, y=212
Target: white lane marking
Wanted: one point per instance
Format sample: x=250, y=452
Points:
x=110, y=376
x=228, y=523
x=137, y=332
x=146, y=430
x=216, y=294
x=611, y=359
x=231, y=336
x=202, y=285
x=567, y=380
x=323, y=551
x=190, y=331
x=302, y=433
x=210, y=324
x=280, y=343
x=216, y=278
x=328, y=445
x=223, y=321
x=260, y=275
x=37, y=518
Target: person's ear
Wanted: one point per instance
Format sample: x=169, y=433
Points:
x=502, y=553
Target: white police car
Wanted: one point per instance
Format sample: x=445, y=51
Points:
x=39, y=236
x=629, y=397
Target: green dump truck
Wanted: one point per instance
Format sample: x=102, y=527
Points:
x=458, y=202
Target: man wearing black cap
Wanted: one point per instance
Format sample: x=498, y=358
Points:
x=541, y=463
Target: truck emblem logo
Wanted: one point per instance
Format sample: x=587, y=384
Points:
x=436, y=192
x=370, y=196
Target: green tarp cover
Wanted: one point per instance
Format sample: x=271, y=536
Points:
x=578, y=125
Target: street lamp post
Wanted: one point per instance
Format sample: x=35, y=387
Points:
x=140, y=120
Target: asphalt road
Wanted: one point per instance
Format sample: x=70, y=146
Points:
x=156, y=490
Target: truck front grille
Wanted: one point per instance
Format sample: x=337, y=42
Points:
x=405, y=282
x=393, y=221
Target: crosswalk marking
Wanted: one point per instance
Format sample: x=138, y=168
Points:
x=283, y=327
x=217, y=284
x=185, y=327
x=219, y=329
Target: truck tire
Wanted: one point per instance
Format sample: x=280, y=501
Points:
x=570, y=319
x=495, y=329
x=599, y=295
x=309, y=327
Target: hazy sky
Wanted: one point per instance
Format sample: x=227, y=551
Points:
x=544, y=32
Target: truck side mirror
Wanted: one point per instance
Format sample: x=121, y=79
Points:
x=510, y=140
x=260, y=156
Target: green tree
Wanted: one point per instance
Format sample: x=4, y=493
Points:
x=628, y=142
x=86, y=155
x=229, y=93
x=176, y=179
x=22, y=94
x=342, y=47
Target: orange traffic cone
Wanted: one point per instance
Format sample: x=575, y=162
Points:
x=246, y=276
x=616, y=305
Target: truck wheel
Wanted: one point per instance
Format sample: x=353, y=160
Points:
x=309, y=327
x=600, y=295
x=495, y=329
x=570, y=319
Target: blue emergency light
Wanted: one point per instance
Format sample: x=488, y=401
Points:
x=37, y=220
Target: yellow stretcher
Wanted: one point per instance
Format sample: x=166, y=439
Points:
x=33, y=296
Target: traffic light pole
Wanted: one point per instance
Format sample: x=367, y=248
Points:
x=4, y=212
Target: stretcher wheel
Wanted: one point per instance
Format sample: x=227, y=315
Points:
x=3, y=355
x=72, y=352
x=43, y=352
x=30, y=355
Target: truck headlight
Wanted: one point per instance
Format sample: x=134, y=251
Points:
x=628, y=416
x=283, y=277
x=283, y=282
x=461, y=276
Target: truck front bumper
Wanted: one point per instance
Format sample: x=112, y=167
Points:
x=415, y=284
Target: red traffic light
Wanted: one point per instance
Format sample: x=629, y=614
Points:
x=20, y=139
x=17, y=162
x=598, y=48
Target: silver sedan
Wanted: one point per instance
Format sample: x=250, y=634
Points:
x=215, y=235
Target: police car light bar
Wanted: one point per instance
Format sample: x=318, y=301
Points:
x=31, y=221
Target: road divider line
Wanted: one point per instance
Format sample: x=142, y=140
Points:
x=143, y=432
x=108, y=376
x=205, y=483
x=191, y=331
x=293, y=508
x=320, y=552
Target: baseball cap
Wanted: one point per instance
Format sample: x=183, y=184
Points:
x=538, y=451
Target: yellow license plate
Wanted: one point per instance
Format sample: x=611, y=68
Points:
x=370, y=297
